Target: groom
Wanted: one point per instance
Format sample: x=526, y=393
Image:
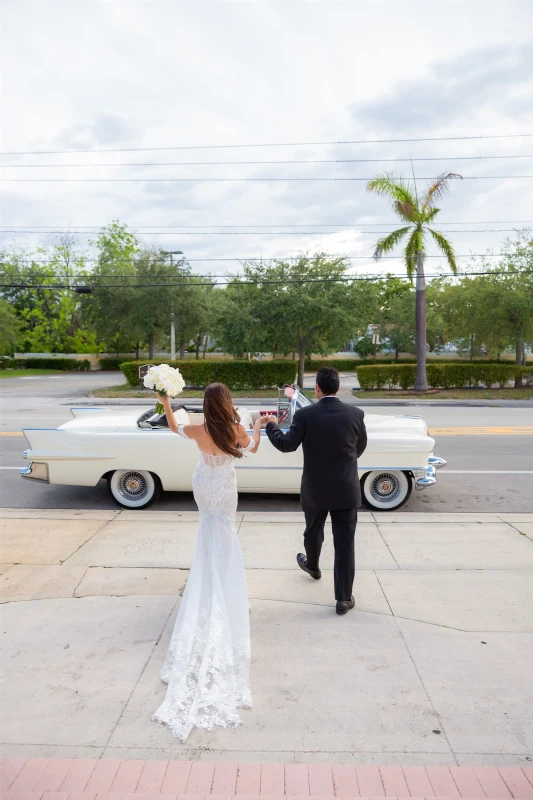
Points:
x=333, y=436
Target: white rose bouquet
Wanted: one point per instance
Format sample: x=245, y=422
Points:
x=164, y=379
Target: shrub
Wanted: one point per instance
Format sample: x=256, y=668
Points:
x=113, y=363
x=63, y=364
x=237, y=375
x=442, y=376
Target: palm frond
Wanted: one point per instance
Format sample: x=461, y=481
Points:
x=446, y=248
x=394, y=187
x=429, y=215
x=407, y=211
x=389, y=242
x=411, y=254
x=439, y=188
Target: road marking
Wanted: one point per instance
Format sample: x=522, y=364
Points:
x=485, y=472
x=524, y=430
x=11, y=467
x=11, y=433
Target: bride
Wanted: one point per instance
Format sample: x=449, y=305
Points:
x=207, y=667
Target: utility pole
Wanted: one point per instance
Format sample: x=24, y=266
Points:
x=172, y=315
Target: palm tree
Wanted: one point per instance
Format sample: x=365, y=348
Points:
x=418, y=214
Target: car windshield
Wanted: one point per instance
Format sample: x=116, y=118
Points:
x=300, y=400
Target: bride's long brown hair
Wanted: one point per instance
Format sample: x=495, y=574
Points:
x=220, y=418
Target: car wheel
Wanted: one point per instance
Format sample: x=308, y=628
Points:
x=386, y=490
x=134, y=488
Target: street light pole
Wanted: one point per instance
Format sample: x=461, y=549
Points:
x=172, y=315
x=172, y=338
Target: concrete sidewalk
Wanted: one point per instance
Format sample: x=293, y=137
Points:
x=433, y=668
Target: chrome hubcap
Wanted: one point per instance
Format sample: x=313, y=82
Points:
x=385, y=487
x=133, y=486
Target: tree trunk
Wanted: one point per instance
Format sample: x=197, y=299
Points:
x=524, y=358
x=301, y=364
x=396, y=354
x=198, y=345
x=151, y=346
x=182, y=349
x=518, y=359
x=137, y=348
x=421, y=380
x=205, y=346
x=294, y=356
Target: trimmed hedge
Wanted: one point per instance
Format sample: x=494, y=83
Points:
x=236, y=375
x=442, y=376
x=113, y=363
x=343, y=364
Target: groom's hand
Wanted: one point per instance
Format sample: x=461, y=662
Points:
x=269, y=418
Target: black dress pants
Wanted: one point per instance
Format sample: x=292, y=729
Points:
x=343, y=522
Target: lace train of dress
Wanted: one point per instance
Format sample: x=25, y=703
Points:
x=207, y=667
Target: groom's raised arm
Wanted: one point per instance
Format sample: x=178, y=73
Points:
x=292, y=439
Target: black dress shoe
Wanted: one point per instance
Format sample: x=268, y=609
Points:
x=343, y=606
x=302, y=563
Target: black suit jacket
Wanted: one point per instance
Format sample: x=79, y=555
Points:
x=333, y=436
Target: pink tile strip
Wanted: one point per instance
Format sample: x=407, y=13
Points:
x=394, y=782
x=418, y=782
x=467, y=782
x=492, y=782
x=442, y=782
x=321, y=780
x=516, y=782
x=345, y=781
x=296, y=780
x=127, y=777
x=200, y=778
x=224, y=779
x=103, y=775
x=54, y=775
x=78, y=775
x=370, y=781
x=248, y=779
x=176, y=777
x=273, y=779
x=152, y=777
x=29, y=774
x=9, y=769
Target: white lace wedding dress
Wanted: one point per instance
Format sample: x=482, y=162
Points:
x=207, y=667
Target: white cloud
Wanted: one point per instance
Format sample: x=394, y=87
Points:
x=91, y=74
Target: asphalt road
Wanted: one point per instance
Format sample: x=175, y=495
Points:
x=489, y=471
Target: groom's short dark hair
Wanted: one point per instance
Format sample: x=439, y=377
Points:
x=327, y=379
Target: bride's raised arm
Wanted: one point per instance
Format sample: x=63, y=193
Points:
x=247, y=442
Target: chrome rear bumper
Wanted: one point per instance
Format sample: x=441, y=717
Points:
x=36, y=471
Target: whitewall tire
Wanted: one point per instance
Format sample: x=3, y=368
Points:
x=134, y=488
x=386, y=490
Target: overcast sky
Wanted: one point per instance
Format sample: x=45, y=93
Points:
x=90, y=75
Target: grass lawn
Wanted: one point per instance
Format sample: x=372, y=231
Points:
x=28, y=373
x=125, y=390
x=449, y=394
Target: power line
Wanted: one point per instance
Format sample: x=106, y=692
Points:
x=250, y=163
x=238, y=180
x=268, y=144
x=290, y=225
x=246, y=233
x=228, y=281
x=278, y=258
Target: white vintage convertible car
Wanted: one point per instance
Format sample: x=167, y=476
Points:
x=139, y=456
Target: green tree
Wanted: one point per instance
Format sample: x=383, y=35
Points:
x=396, y=315
x=108, y=310
x=9, y=328
x=300, y=306
x=418, y=214
x=40, y=292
